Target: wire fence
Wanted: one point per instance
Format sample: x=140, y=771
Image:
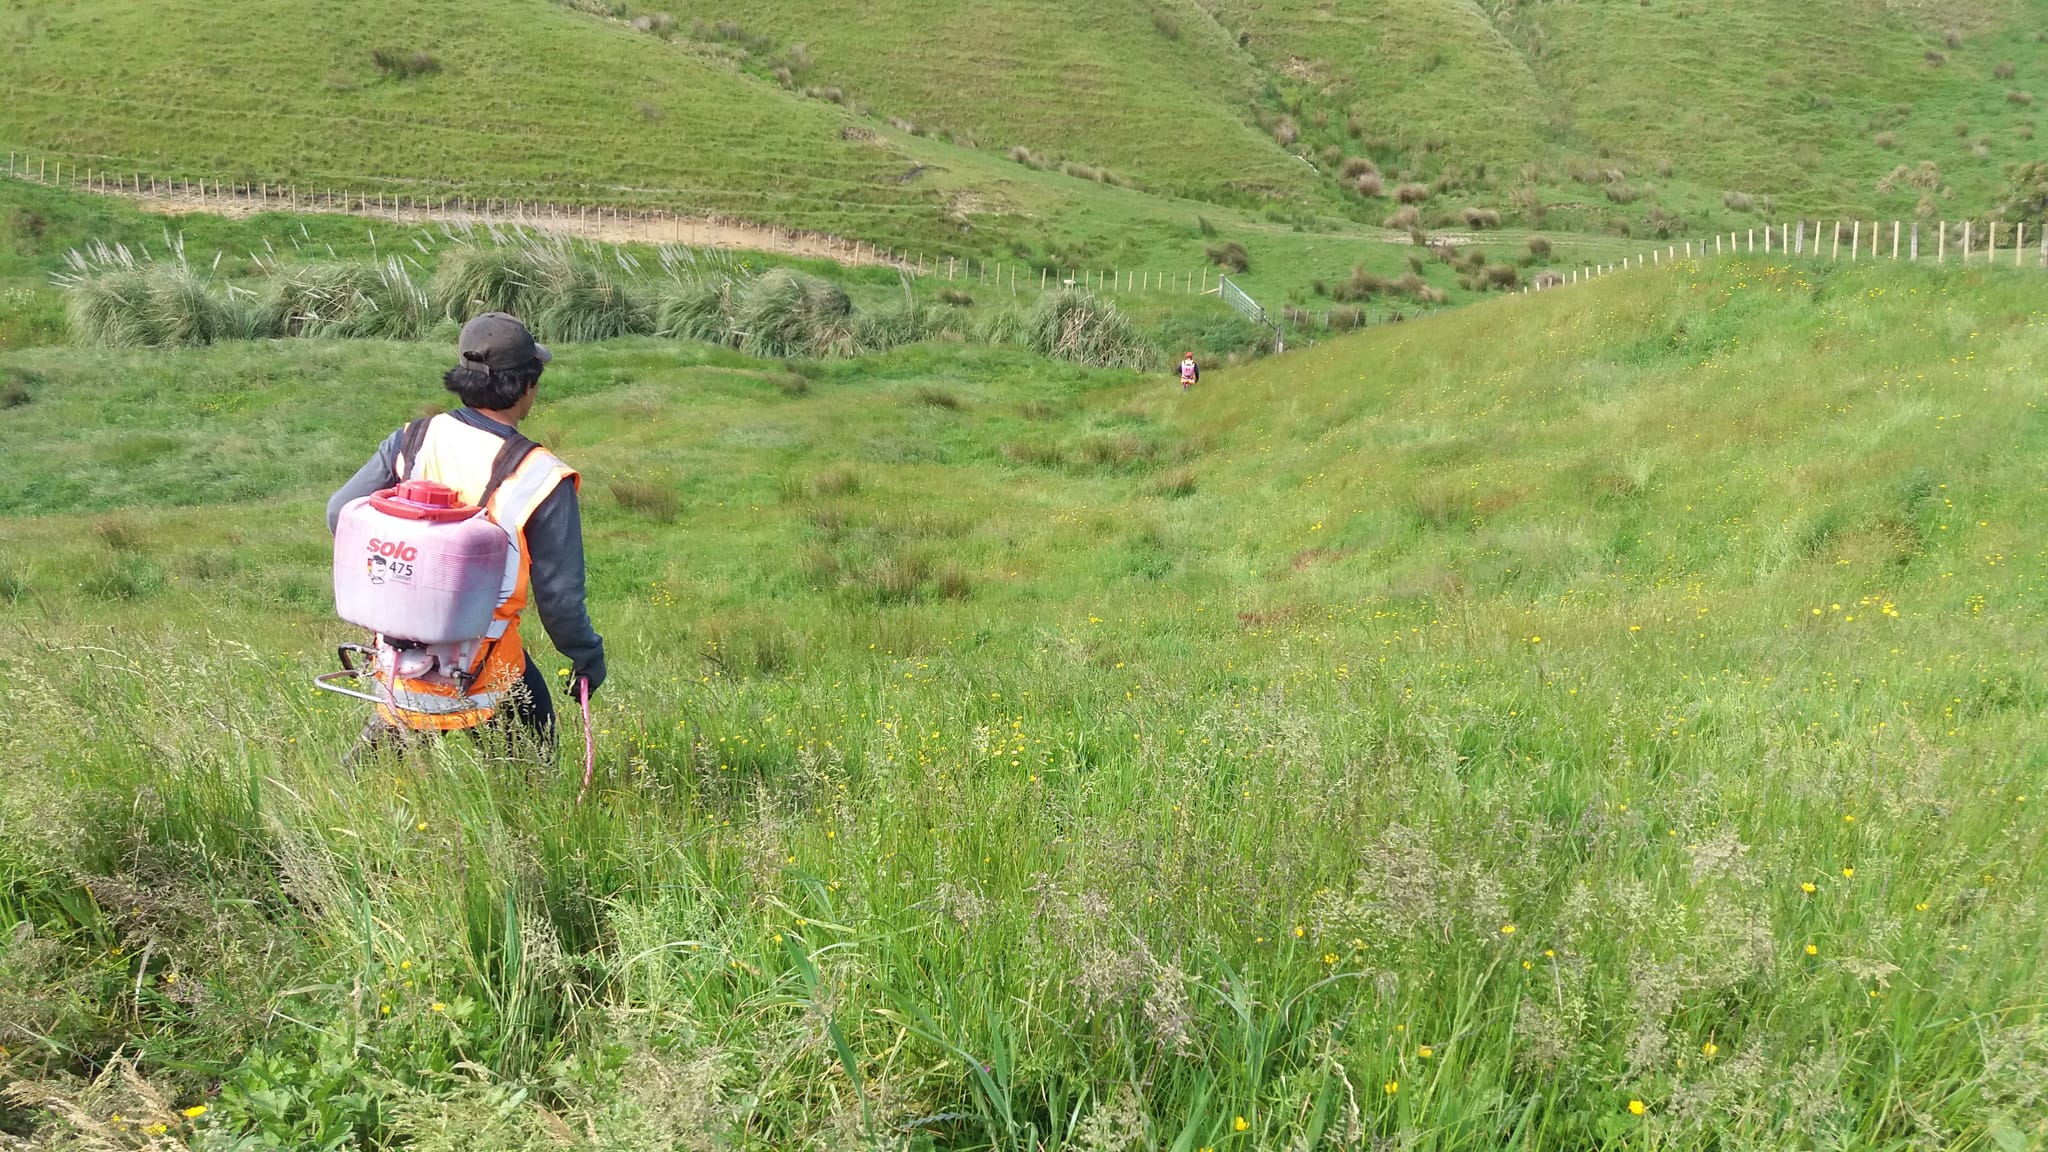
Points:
x=603, y=222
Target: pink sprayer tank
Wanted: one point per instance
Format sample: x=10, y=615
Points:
x=416, y=563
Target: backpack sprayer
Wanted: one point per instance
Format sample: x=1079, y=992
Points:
x=424, y=572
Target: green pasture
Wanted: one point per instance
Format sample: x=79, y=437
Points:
x=896, y=123
x=1591, y=719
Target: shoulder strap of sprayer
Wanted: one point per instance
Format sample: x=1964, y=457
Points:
x=510, y=456
x=409, y=440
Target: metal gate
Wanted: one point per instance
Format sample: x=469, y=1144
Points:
x=1250, y=310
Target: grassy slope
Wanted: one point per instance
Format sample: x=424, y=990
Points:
x=1567, y=613
x=1773, y=99
x=1099, y=84
x=534, y=100
x=1733, y=97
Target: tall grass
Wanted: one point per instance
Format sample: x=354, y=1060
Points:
x=347, y=299
x=116, y=300
x=1423, y=754
x=698, y=309
x=783, y=313
x=1077, y=325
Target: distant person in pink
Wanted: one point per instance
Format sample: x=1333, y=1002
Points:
x=1190, y=372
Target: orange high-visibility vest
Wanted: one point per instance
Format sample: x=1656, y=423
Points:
x=460, y=456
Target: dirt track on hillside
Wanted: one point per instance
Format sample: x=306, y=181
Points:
x=601, y=225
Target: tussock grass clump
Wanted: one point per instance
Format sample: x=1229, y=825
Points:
x=2018, y=97
x=1370, y=184
x=906, y=323
x=658, y=502
x=1539, y=247
x=16, y=389
x=2003, y=70
x=1406, y=218
x=1411, y=193
x=584, y=300
x=114, y=300
x=399, y=64
x=1229, y=255
x=699, y=309
x=1076, y=325
x=957, y=297
x=933, y=396
x=1358, y=166
x=1480, y=218
x=1174, y=483
x=1165, y=23
x=476, y=278
x=1623, y=193
x=1000, y=327
x=1036, y=451
x=790, y=314
x=346, y=300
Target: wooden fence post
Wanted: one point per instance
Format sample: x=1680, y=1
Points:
x=1941, y=242
x=1895, y=241
x=1966, y=240
x=1855, y=239
x=2019, y=243
x=1914, y=254
x=1835, y=252
x=1991, y=252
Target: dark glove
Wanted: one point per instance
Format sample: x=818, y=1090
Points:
x=592, y=676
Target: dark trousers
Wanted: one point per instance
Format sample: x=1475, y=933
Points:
x=524, y=720
x=530, y=705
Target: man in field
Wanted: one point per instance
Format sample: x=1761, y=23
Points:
x=1190, y=372
x=524, y=489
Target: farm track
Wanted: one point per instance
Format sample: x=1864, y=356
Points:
x=601, y=227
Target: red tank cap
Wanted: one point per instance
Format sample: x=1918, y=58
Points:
x=423, y=500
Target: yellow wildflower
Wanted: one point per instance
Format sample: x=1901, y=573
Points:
x=1637, y=1107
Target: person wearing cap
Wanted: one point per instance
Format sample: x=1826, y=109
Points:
x=526, y=490
x=1190, y=372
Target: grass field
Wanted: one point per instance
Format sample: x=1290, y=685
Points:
x=1590, y=719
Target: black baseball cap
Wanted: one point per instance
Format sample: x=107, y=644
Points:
x=498, y=342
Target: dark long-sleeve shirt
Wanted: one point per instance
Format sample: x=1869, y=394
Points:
x=554, y=541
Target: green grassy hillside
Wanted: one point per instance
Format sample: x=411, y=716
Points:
x=1606, y=718
x=896, y=122
x=1808, y=104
